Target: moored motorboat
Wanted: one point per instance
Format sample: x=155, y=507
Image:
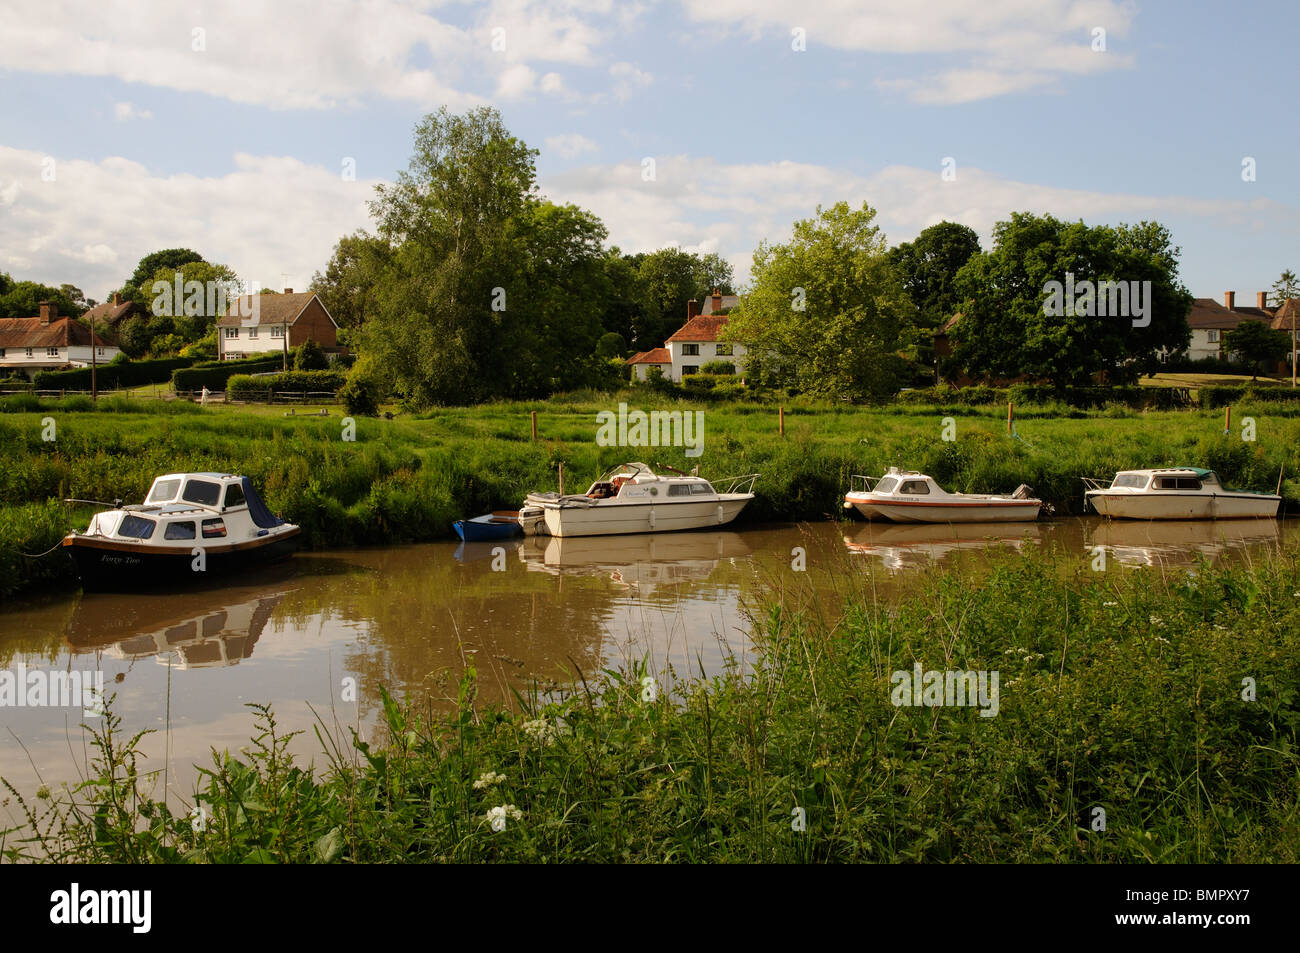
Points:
x=1176, y=493
x=490, y=526
x=906, y=496
x=191, y=527
x=632, y=498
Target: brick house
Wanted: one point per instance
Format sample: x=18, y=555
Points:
x=1210, y=320
x=48, y=342
x=259, y=324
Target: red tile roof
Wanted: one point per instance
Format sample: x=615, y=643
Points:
x=659, y=355
x=702, y=327
x=29, y=332
x=271, y=309
x=1282, y=317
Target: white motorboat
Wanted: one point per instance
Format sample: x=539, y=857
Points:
x=191, y=526
x=632, y=498
x=1176, y=493
x=906, y=496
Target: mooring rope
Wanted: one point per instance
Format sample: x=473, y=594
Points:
x=46, y=553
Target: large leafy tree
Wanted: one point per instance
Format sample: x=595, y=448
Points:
x=1256, y=343
x=826, y=313
x=22, y=299
x=171, y=321
x=349, y=286
x=156, y=261
x=928, y=269
x=1009, y=327
x=669, y=278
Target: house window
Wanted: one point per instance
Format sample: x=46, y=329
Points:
x=690, y=369
x=51, y=352
x=723, y=350
x=691, y=350
x=277, y=330
x=1213, y=336
x=2, y=352
x=252, y=332
x=101, y=351
x=29, y=352
x=232, y=333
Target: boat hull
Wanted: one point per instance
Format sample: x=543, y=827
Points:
x=483, y=529
x=613, y=518
x=106, y=565
x=1155, y=505
x=874, y=507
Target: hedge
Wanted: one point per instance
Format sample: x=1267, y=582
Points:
x=214, y=374
x=1221, y=395
x=246, y=387
x=1160, y=398
x=113, y=375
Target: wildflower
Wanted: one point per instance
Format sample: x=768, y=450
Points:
x=498, y=815
x=487, y=779
x=540, y=730
x=1110, y=605
x=1156, y=620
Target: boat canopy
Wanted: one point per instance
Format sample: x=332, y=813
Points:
x=256, y=508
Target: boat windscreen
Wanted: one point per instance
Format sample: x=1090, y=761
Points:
x=886, y=485
x=256, y=508
x=163, y=491
x=1134, y=481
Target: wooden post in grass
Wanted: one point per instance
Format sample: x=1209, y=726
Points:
x=561, y=479
x=1009, y=418
x=1227, y=418
x=781, y=418
x=534, y=416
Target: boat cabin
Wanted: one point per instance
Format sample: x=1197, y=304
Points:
x=636, y=480
x=1186, y=479
x=189, y=507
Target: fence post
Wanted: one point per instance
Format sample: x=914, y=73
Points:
x=534, y=416
x=781, y=418
x=1227, y=418
x=1009, y=417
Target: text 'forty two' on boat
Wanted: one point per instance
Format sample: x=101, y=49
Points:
x=632, y=498
x=1176, y=493
x=905, y=496
x=191, y=526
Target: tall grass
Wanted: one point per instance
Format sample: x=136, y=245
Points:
x=1123, y=692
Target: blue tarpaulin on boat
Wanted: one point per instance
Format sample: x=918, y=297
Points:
x=256, y=508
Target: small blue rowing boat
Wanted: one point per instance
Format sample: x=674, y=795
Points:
x=488, y=527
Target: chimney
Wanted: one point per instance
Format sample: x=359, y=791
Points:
x=1262, y=298
x=288, y=291
x=1229, y=299
x=717, y=301
x=692, y=309
x=117, y=299
x=49, y=312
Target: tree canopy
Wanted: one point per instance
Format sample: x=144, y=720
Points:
x=1257, y=343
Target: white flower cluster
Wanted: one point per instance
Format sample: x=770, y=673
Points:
x=540, y=730
x=497, y=816
x=488, y=779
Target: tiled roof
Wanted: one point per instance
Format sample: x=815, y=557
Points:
x=110, y=313
x=702, y=327
x=1208, y=313
x=271, y=309
x=1282, y=317
x=29, y=332
x=659, y=355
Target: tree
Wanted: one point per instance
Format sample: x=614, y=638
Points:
x=928, y=269
x=22, y=299
x=349, y=285
x=826, y=312
x=669, y=278
x=1015, y=319
x=207, y=292
x=610, y=345
x=1285, y=288
x=151, y=264
x=1256, y=343
x=309, y=357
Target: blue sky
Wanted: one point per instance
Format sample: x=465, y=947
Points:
x=119, y=137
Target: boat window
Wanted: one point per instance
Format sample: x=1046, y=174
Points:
x=1179, y=483
x=1135, y=481
x=179, y=531
x=213, y=529
x=886, y=485
x=163, y=491
x=234, y=495
x=679, y=489
x=202, y=492
x=136, y=527
x=701, y=489
x=916, y=487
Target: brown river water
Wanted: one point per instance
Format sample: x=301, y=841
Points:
x=319, y=634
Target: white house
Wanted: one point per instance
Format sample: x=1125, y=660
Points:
x=695, y=343
x=259, y=324
x=48, y=342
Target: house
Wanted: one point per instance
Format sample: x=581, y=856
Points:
x=1287, y=318
x=48, y=342
x=696, y=342
x=643, y=361
x=110, y=314
x=259, y=324
x=1209, y=320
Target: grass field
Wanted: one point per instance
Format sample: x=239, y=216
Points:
x=407, y=479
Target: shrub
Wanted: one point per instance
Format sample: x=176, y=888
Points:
x=720, y=368
x=247, y=387
x=309, y=357
x=119, y=372
x=214, y=374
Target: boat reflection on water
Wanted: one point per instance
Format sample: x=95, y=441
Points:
x=1180, y=542
x=641, y=561
x=217, y=630
x=910, y=545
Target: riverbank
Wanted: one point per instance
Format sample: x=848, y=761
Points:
x=1139, y=717
x=409, y=478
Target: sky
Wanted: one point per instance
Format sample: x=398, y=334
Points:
x=255, y=132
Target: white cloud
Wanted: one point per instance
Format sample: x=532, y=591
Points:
x=516, y=81
x=270, y=215
x=627, y=79
x=570, y=145
x=989, y=47
x=125, y=112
